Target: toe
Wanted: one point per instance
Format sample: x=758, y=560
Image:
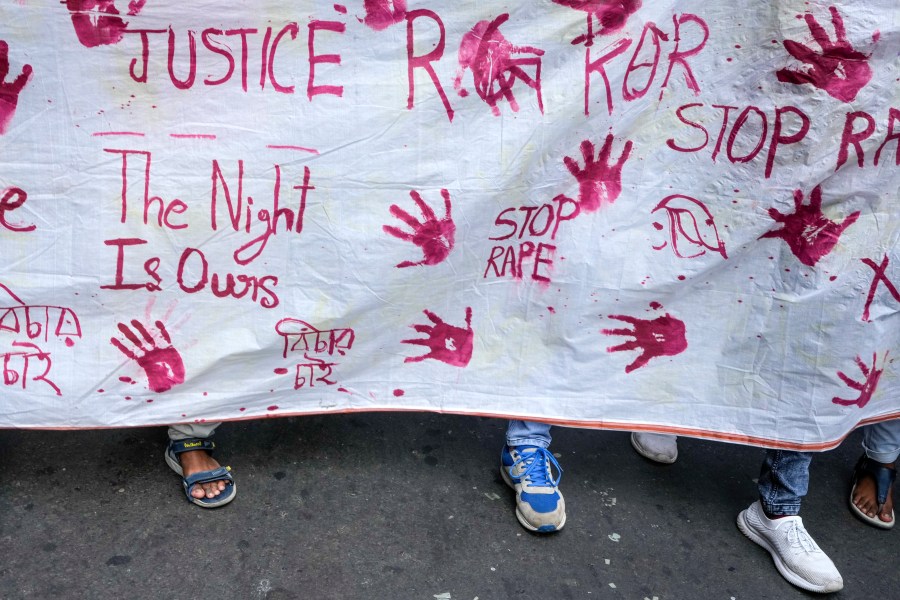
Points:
x=212, y=489
x=864, y=505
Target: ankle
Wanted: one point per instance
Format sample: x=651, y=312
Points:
x=773, y=516
x=195, y=459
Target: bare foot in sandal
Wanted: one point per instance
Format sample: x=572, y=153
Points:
x=865, y=496
x=196, y=461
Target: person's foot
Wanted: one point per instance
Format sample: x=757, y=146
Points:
x=865, y=492
x=196, y=461
x=205, y=482
x=797, y=556
x=539, y=504
x=658, y=447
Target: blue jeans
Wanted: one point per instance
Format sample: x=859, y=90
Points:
x=881, y=441
x=784, y=477
x=528, y=433
x=783, y=481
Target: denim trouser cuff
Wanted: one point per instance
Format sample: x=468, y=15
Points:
x=527, y=442
x=882, y=441
x=883, y=457
x=781, y=510
x=528, y=433
x=783, y=481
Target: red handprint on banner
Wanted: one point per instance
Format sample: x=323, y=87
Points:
x=10, y=90
x=494, y=67
x=160, y=361
x=381, y=14
x=446, y=343
x=684, y=223
x=97, y=22
x=867, y=386
x=809, y=234
x=838, y=68
x=434, y=236
x=663, y=336
x=610, y=14
x=599, y=181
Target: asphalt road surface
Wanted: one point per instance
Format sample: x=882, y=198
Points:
x=405, y=506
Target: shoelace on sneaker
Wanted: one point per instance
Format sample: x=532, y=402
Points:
x=799, y=538
x=537, y=470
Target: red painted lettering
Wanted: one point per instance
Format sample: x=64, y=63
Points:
x=735, y=131
x=893, y=117
x=680, y=57
x=414, y=62
x=120, y=284
x=12, y=199
x=849, y=137
x=596, y=66
x=779, y=140
x=656, y=35
x=680, y=114
x=192, y=61
x=212, y=45
x=314, y=59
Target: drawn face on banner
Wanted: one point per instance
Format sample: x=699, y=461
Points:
x=689, y=228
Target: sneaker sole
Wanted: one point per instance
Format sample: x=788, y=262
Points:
x=792, y=577
x=507, y=478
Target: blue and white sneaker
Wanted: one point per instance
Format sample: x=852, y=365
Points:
x=539, y=505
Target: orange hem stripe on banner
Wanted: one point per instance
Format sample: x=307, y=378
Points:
x=734, y=438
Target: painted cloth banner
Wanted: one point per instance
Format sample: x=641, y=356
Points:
x=671, y=216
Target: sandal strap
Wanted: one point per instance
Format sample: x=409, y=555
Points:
x=884, y=476
x=218, y=474
x=190, y=444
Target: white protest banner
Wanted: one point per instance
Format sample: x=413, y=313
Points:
x=669, y=216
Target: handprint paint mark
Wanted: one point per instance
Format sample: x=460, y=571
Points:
x=161, y=363
x=879, y=277
x=98, y=22
x=10, y=90
x=838, y=68
x=381, y=14
x=684, y=223
x=663, y=336
x=867, y=386
x=809, y=234
x=495, y=69
x=599, y=181
x=446, y=343
x=611, y=15
x=434, y=236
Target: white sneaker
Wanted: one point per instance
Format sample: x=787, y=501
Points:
x=658, y=447
x=796, y=555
